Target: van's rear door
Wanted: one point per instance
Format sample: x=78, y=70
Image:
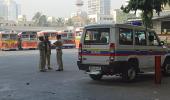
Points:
x=96, y=46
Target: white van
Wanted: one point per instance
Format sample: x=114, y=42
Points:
x=109, y=49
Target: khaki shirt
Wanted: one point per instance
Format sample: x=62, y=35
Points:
x=41, y=46
x=58, y=44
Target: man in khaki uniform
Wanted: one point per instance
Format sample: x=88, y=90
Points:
x=47, y=52
x=58, y=45
x=41, y=47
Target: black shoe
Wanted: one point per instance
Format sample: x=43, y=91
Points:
x=59, y=70
x=49, y=68
x=42, y=70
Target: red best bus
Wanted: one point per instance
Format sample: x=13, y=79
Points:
x=8, y=40
x=68, y=39
x=28, y=39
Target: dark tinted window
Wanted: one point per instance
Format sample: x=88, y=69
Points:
x=140, y=38
x=97, y=36
x=125, y=36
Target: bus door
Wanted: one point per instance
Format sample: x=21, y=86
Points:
x=13, y=41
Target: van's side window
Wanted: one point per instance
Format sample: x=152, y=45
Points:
x=153, y=40
x=125, y=36
x=140, y=38
x=97, y=36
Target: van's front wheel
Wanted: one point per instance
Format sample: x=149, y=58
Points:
x=96, y=77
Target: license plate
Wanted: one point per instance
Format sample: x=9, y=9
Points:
x=94, y=68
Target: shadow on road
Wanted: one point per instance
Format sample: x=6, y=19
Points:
x=143, y=80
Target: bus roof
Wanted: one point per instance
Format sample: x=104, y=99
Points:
x=49, y=31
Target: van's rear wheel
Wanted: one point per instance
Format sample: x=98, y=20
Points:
x=166, y=67
x=96, y=77
x=129, y=74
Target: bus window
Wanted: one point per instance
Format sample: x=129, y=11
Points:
x=5, y=36
x=25, y=37
x=33, y=37
x=47, y=34
x=53, y=34
x=64, y=36
x=13, y=36
x=70, y=35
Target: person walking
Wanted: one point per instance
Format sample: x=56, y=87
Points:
x=47, y=52
x=59, y=53
x=41, y=47
x=19, y=43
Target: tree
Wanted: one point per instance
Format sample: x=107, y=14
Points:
x=39, y=19
x=36, y=18
x=147, y=7
x=43, y=20
x=60, y=22
x=70, y=22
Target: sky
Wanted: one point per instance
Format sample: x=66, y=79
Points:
x=56, y=8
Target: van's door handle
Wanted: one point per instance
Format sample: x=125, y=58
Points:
x=150, y=50
x=138, y=52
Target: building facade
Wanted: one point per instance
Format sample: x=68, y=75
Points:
x=100, y=19
x=99, y=11
x=9, y=10
x=101, y=7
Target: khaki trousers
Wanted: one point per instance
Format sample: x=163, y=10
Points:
x=42, y=60
x=59, y=59
x=47, y=58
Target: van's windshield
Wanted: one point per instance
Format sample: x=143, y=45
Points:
x=97, y=36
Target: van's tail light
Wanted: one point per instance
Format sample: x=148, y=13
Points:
x=112, y=52
x=80, y=52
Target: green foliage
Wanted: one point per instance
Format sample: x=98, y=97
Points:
x=147, y=7
x=36, y=18
x=39, y=19
x=70, y=22
x=43, y=20
x=60, y=22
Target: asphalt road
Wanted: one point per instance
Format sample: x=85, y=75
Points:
x=21, y=80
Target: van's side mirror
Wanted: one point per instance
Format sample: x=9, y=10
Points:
x=162, y=43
